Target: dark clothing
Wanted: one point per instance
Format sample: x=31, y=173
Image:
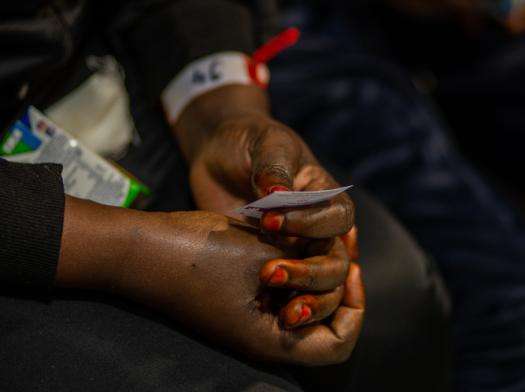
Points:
x=79, y=342
x=42, y=47
x=32, y=209
x=89, y=342
x=40, y=41
x=364, y=118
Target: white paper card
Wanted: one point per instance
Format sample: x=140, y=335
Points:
x=288, y=200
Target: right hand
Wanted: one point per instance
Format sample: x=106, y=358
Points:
x=202, y=270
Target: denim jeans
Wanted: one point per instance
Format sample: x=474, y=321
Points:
x=365, y=120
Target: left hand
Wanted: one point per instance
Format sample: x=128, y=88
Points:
x=200, y=268
x=247, y=155
x=244, y=154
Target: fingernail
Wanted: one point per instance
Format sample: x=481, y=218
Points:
x=306, y=313
x=272, y=221
x=277, y=188
x=279, y=277
x=302, y=317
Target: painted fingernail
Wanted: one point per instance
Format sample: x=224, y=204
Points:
x=305, y=314
x=277, y=188
x=279, y=277
x=302, y=317
x=272, y=221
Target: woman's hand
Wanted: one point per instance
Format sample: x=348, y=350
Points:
x=241, y=154
x=250, y=156
x=203, y=270
x=238, y=153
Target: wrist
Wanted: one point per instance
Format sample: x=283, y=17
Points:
x=164, y=251
x=96, y=241
x=200, y=118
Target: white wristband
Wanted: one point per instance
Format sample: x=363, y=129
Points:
x=208, y=73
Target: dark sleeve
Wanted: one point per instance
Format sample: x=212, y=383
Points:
x=32, y=211
x=161, y=39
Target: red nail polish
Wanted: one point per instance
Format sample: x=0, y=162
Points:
x=277, y=188
x=272, y=221
x=306, y=313
x=279, y=276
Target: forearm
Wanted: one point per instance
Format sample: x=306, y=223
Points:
x=120, y=250
x=96, y=241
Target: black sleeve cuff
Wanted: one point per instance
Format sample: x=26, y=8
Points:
x=161, y=40
x=32, y=209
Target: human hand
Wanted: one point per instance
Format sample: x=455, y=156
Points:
x=253, y=155
x=219, y=276
x=238, y=153
x=201, y=269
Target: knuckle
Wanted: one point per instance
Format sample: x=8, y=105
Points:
x=276, y=129
x=305, y=275
x=282, y=133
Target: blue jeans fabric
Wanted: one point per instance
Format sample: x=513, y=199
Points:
x=364, y=119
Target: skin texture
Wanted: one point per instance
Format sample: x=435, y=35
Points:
x=201, y=269
x=287, y=292
x=238, y=153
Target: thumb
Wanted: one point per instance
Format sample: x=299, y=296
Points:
x=275, y=162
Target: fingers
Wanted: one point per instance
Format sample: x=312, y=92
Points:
x=275, y=160
x=279, y=163
x=317, y=273
x=351, y=244
x=306, y=309
x=318, y=247
x=322, y=344
x=331, y=219
x=348, y=319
